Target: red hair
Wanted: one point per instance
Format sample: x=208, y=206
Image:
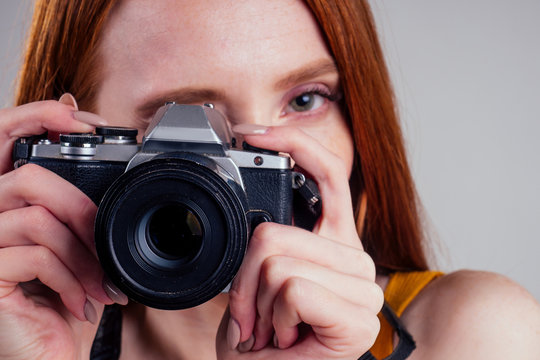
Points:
x=391, y=229
x=63, y=56
x=62, y=51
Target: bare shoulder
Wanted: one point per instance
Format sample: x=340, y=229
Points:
x=474, y=315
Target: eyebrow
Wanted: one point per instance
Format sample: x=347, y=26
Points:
x=187, y=95
x=191, y=95
x=308, y=72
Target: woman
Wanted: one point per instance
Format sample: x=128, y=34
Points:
x=303, y=78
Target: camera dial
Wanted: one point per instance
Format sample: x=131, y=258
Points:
x=117, y=135
x=79, y=144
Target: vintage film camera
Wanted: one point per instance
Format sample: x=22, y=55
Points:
x=175, y=212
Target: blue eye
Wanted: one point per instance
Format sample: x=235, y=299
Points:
x=306, y=102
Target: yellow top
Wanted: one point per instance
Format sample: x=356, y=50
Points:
x=402, y=288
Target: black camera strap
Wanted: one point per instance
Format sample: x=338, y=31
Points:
x=108, y=340
x=406, y=344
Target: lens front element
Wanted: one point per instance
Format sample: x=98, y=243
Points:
x=174, y=232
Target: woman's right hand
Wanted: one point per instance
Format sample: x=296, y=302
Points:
x=50, y=280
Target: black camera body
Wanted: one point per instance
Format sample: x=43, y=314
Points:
x=176, y=211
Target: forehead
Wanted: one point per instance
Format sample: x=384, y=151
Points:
x=151, y=38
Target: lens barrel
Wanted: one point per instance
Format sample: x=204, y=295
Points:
x=171, y=233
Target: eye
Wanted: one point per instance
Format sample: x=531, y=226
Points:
x=306, y=102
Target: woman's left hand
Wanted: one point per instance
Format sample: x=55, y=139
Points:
x=301, y=294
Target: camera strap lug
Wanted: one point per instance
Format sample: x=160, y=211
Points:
x=307, y=204
x=22, y=148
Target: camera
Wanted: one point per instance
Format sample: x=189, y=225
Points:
x=175, y=212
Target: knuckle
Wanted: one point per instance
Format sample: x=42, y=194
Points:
x=42, y=257
x=46, y=108
x=264, y=230
x=49, y=106
x=372, y=328
x=293, y=289
x=40, y=219
x=365, y=265
x=26, y=178
x=369, y=267
x=377, y=298
x=237, y=299
x=28, y=171
x=365, y=332
x=263, y=237
x=358, y=258
x=271, y=271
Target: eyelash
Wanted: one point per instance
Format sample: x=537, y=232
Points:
x=327, y=94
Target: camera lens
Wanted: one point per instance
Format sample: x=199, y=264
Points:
x=174, y=232
x=171, y=233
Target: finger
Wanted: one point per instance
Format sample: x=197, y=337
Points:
x=34, y=185
x=37, y=117
x=25, y=263
x=338, y=325
x=35, y=225
x=270, y=239
x=226, y=346
x=327, y=169
x=276, y=270
x=34, y=119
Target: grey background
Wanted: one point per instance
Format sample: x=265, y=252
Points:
x=14, y=20
x=467, y=77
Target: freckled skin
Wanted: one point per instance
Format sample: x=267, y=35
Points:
x=221, y=45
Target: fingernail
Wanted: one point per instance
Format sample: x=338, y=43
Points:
x=114, y=293
x=90, y=312
x=250, y=129
x=89, y=118
x=68, y=99
x=233, y=334
x=276, y=342
x=247, y=345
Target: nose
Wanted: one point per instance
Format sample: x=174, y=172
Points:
x=253, y=113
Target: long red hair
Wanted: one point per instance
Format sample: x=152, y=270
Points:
x=62, y=55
